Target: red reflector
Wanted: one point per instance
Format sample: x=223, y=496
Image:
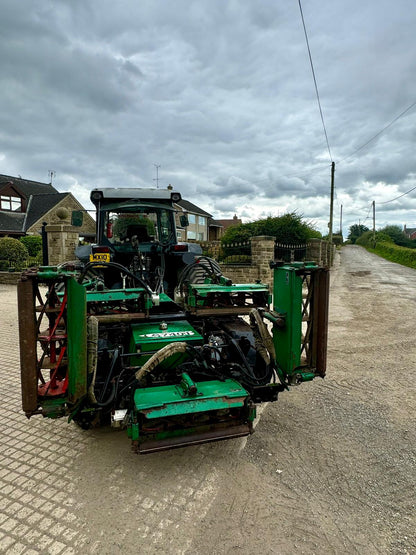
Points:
x=100, y=249
x=180, y=248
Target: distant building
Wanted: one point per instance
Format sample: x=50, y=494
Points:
x=215, y=230
x=410, y=232
x=198, y=222
x=230, y=223
x=26, y=204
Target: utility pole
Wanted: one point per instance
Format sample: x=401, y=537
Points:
x=374, y=223
x=157, y=166
x=331, y=209
x=340, y=221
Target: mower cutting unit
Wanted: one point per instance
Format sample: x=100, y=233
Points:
x=145, y=333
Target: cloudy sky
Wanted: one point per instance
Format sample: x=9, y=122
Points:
x=220, y=95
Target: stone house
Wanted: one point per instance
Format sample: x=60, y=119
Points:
x=26, y=204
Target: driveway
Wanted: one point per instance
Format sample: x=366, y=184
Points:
x=329, y=469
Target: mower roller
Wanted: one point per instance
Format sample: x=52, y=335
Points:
x=145, y=333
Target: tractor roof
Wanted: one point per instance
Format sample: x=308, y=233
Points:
x=119, y=194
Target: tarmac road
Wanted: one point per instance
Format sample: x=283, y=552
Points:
x=330, y=468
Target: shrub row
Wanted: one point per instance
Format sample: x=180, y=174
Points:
x=15, y=254
x=394, y=253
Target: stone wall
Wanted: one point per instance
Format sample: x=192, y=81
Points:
x=262, y=252
x=9, y=278
x=240, y=274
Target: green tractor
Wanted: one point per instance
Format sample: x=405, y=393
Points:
x=145, y=333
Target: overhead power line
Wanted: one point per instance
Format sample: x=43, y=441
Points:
x=400, y=196
x=378, y=134
x=314, y=80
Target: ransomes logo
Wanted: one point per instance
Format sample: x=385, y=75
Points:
x=164, y=334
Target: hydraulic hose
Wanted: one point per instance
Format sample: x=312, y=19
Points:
x=263, y=340
x=92, y=354
x=159, y=357
x=117, y=266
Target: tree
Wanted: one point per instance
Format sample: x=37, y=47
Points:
x=289, y=228
x=397, y=236
x=356, y=231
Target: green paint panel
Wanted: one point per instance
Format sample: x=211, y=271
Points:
x=114, y=294
x=287, y=299
x=203, y=289
x=77, y=340
x=173, y=400
x=150, y=336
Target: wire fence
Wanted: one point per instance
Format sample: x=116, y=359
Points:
x=13, y=265
x=240, y=252
x=290, y=253
x=229, y=253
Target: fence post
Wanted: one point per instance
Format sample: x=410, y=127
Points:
x=45, y=258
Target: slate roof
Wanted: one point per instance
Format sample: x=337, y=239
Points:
x=189, y=207
x=26, y=186
x=41, y=204
x=41, y=197
x=214, y=223
x=12, y=221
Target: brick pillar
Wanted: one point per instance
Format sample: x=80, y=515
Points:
x=314, y=252
x=262, y=251
x=324, y=253
x=62, y=242
x=214, y=249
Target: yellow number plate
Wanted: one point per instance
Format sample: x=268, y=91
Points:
x=100, y=257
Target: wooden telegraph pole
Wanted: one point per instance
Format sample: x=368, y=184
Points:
x=331, y=209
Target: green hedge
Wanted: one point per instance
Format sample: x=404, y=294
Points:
x=33, y=243
x=12, y=252
x=394, y=253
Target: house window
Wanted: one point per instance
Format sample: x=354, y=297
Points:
x=191, y=235
x=200, y=236
x=201, y=220
x=14, y=204
x=191, y=219
x=179, y=234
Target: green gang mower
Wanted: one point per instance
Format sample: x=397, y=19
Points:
x=143, y=332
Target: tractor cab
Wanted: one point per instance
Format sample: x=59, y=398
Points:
x=136, y=229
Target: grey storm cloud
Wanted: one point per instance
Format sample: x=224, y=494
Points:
x=220, y=95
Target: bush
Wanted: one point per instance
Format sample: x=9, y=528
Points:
x=356, y=231
x=382, y=237
x=13, y=252
x=288, y=229
x=33, y=243
x=366, y=239
x=395, y=233
x=337, y=240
